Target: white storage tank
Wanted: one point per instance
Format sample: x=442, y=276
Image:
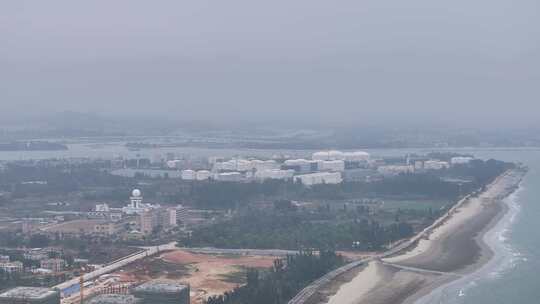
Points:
x=357, y=156
x=203, y=175
x=331, y=165
x=189, y=175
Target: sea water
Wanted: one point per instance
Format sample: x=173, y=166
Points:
x=513, y=274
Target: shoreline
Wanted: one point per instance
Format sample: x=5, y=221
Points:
x=493, y=256
x=452, y=250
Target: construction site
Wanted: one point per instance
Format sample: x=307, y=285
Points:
x=169, y=276
x=151, y=292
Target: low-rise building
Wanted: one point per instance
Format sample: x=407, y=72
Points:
x=360, y=175
x=229, y=177
x=189, y=174
x=115, y=299
x=331, y=165
x=356, y=156
x=83, y=227
x=274, y=174
x=30, y=295
x=460, y=160
x=162, y=292
x=12, y=267
x=319, y=178
x=105, y=229
x=301, y=165
x=436, y=165
x=203, y=175
x=35, y=255
x=54, y=265
x=393, y=170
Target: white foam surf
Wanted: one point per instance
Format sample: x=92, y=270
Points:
x=505, y=258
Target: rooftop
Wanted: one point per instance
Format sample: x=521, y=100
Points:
x=114, y=299
x=160, y=287
x=31, y=293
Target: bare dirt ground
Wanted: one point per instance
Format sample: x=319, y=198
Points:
x=206, y=274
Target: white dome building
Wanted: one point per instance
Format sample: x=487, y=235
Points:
x=136, y=193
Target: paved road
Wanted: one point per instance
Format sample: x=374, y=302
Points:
x=261, y=252
x=112, y=266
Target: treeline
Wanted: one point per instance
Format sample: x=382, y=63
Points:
x=25, y=180
x=283, y=281
x=481, y=172
x=268, y=230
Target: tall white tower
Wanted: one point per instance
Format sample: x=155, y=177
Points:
x=136, y=199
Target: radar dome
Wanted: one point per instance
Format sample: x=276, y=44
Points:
x=136, y=193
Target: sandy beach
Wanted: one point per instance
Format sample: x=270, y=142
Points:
x=451, y=250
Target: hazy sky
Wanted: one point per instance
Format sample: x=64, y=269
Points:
x=361, y=60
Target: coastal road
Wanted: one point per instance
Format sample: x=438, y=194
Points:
x=312, y=289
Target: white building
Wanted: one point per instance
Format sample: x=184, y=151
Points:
x=102, y=208
x=229, y=177
x=203, y=175
x=419, y=165
x=395, y=170
x=35, y=255
x=331, y=165
x=244, y=165
x=12, y=267
x=357, y=156
x=174, y=164
x=328, y=155
x=302, y=165
x=189, y=175
x=460, y=160
x=319, y=178
x=260, y=165
x=274, y=174
x=136, y=205
x=436, y=165
x=54, y=265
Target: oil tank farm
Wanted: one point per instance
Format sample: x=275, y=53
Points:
x=30, y=295
x=162, y=292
